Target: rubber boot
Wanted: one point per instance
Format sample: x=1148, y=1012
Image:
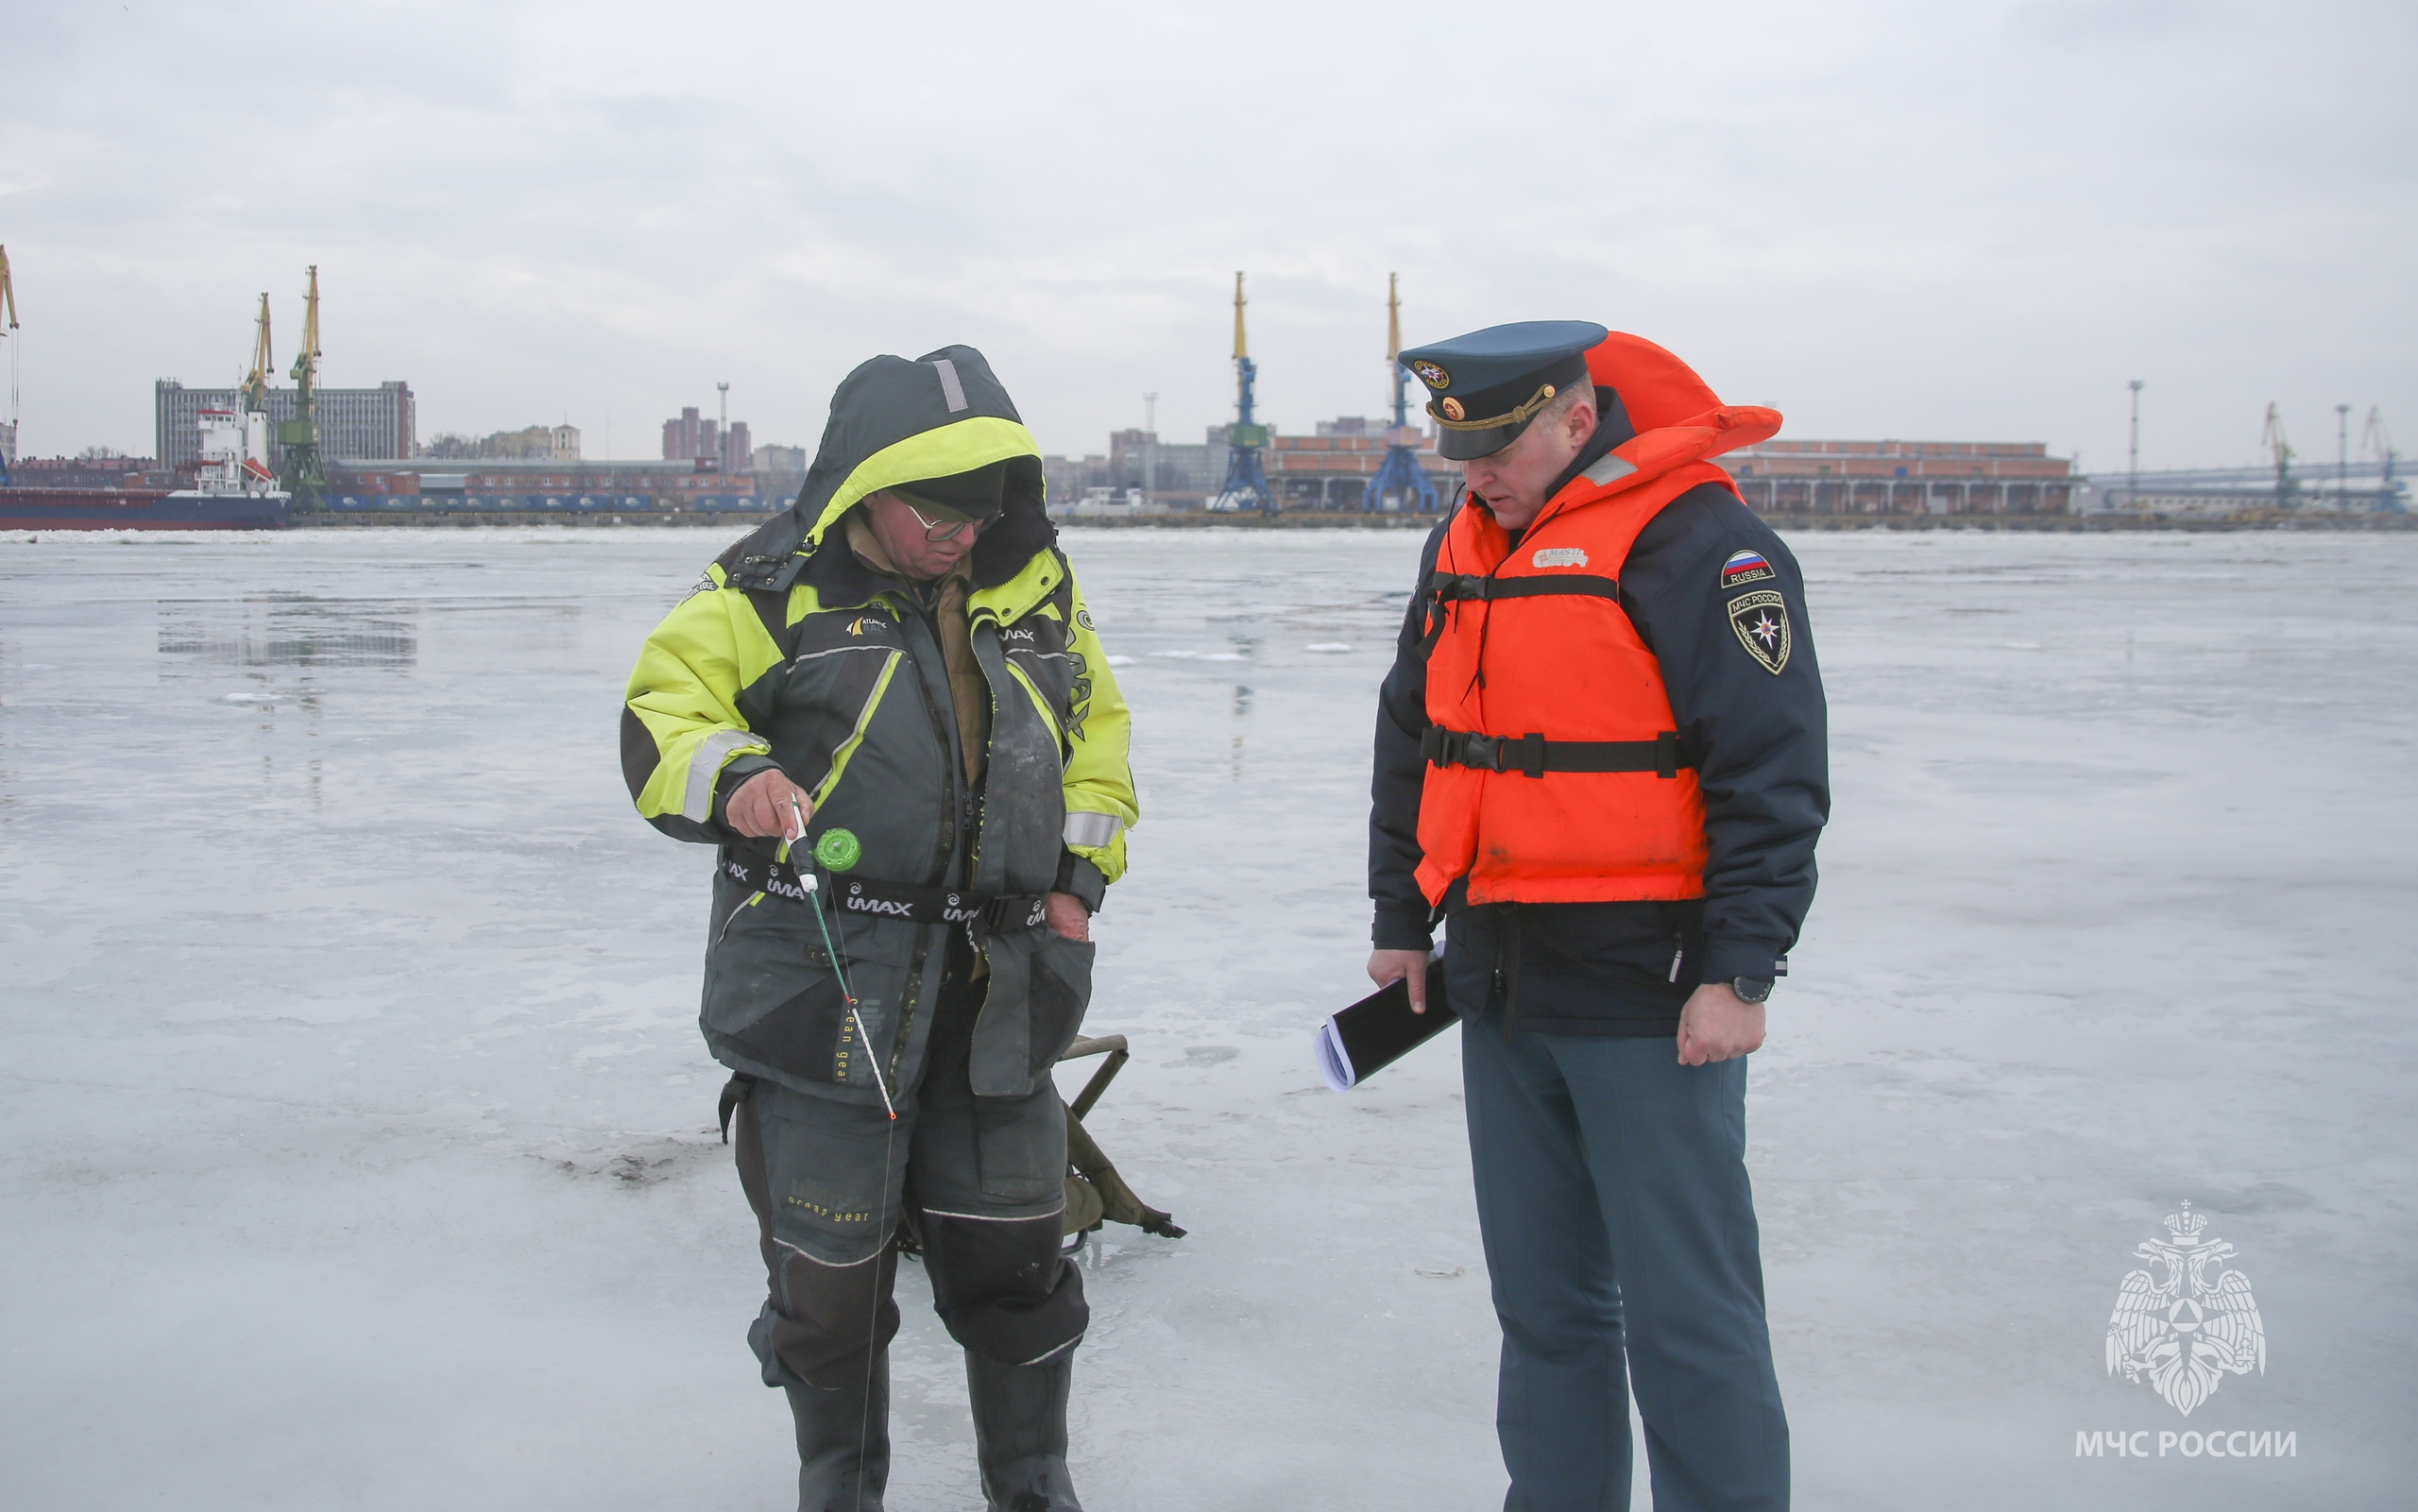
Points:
x=1020, y=1433
x=844, y=1444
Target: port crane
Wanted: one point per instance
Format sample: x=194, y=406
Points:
x=255, y=389
x=8, y=314
x=1400, y=477
x=2273, y=439
x=1246, y=478
x=2374, y=438
x=302, y=474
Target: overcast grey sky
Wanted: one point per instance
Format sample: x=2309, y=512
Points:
x=1887, y=219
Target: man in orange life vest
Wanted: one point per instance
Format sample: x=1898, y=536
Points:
x=1601, y=761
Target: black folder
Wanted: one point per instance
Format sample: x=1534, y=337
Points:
x=1379, y=1030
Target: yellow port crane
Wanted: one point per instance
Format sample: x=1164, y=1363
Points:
x=8, y=308
x=256, y=382
x=301, y=474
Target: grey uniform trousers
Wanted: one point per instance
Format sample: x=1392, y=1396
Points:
x=986, y=1177
x=1621, y=1240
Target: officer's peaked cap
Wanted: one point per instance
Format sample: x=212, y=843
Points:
x=1483, y=389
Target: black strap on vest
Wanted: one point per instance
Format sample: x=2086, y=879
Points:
x=1461, y=587
x=990, y=914
x=1536, y=756
x=1446, y=587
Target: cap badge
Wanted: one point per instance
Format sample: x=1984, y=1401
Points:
x=1451, y=409
x=1432, y=374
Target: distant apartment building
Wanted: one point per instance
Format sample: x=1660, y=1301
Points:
x=780, y=472
x=354, y=422
x=695, y=438
x=544, y=443
x=1067, y=479
x=1175, y=471
x=1790, y=477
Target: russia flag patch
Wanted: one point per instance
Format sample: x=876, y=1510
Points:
x=1745, y=566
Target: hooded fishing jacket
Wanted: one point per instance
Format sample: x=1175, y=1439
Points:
x=792, y=652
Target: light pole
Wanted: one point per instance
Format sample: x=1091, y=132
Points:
x=2343, y=457
x=2133, y=455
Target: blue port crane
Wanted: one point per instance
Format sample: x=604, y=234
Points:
x=1400, y=479
x=9, y=309
x=1246, y=478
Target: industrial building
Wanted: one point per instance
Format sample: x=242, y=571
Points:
x=1331, y=469
x=1799, y=478
x=492, y=483
x=353, y=422
x=2220, y=493
x=1328, y=470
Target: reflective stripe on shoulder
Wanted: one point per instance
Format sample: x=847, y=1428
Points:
x=1611, y=464
x=697, y=802
x=1092, y=831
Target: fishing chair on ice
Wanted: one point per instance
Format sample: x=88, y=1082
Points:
x=1095, y=1193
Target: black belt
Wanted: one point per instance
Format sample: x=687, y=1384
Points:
x=1462, y=586
x=1536, y=756
x=993, y=914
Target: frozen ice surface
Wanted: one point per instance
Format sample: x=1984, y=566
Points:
x=355, y=1136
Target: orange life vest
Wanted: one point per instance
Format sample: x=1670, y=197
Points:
x=1554, y=772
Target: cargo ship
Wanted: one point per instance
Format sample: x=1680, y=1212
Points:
x=233, y=490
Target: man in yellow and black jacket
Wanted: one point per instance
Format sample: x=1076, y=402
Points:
x=888, y=711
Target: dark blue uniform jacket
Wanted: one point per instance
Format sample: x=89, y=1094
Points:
x=1760, y=744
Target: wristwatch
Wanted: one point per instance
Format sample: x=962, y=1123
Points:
x=1751, y=989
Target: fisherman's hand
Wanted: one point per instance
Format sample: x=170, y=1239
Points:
x=1386, y=967
x=1068, y=915
x=1718, y=1025
x=761, y=806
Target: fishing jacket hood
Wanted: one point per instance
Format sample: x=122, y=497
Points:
x=893, y=422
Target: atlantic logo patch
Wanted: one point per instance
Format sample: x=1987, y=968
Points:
x=1760, y=621
x=1560, y=556
x=1744, y=568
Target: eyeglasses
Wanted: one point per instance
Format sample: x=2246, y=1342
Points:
x=938, y=531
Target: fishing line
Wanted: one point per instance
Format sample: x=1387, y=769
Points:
x=889, y=1146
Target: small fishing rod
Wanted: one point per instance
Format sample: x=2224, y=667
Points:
x=814, y=905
